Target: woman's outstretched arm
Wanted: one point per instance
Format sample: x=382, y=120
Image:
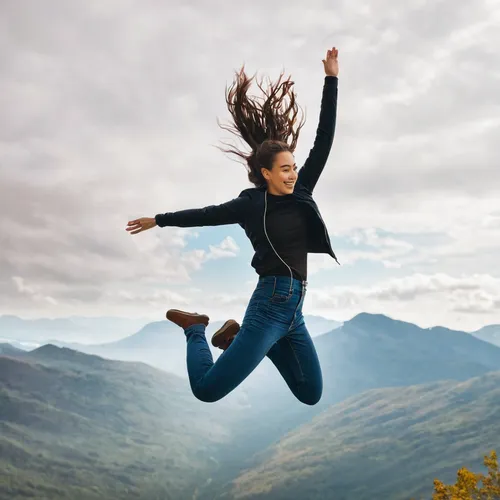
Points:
x=231, y=212
x=311, y=171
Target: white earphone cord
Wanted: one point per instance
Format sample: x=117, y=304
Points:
x=265, y=231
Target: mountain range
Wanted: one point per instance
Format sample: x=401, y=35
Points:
x=368, y=352
x=33, y=332
x=370, y=364
x=160, y=343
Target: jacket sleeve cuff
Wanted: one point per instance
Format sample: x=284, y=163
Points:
x=161, y=220
x=331, y=80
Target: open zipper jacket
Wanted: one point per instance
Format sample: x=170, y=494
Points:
x=248, y=209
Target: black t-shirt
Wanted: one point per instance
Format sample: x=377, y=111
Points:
x=286, y=224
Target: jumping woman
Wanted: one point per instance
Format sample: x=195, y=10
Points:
x=284, y=224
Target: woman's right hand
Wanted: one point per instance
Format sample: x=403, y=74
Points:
x=139, y=225
x=331, y=62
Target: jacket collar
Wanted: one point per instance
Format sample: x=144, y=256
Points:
x=299, y=190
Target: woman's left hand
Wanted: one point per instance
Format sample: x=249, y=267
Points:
x=139, y=225
x=331, y=63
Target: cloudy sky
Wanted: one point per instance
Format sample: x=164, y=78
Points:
x=109, y=113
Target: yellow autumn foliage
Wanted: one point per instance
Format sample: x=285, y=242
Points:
x=470, y=486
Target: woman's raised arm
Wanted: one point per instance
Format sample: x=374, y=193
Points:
x=316, y=161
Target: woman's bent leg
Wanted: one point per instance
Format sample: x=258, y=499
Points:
x=212, y=381
x=273, y=307
x=296, y=359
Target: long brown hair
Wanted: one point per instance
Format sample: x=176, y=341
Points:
x=269, y=125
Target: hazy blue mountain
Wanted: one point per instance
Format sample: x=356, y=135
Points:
x=162, y=344
x=317, y=325
x=490, y=333
x=373, y=350
x=75, y=330
x=69, y=329
x=384, y=443
x=8, y=349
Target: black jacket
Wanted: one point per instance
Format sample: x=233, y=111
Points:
x=248, y=209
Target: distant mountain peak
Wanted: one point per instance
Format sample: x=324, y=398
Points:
x=365, y=317
x=55, y=353
x=7, y=349
x=47, y=349
x=380, y=324
x=489, y=328
x=489, y=333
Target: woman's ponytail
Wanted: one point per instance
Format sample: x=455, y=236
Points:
x=269, y=125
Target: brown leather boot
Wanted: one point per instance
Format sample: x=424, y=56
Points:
x=185, y=319
x=223, y=337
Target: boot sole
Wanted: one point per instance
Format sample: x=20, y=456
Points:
x=203, y=317
x=228, y=330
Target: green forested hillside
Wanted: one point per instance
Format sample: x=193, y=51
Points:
x=75, y=426
x=383, y=444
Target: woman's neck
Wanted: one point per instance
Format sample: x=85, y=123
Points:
x=274, y=193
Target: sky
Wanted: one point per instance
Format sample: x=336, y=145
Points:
x=109, y=113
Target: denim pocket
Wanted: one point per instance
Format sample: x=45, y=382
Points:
x=281, y=293
x=280, y=299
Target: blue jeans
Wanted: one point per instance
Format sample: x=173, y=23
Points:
x=273, y=326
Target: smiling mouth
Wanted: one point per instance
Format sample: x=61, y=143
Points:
x=290, y=184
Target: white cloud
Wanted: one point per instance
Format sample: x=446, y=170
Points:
x=109, y=113
x=33, y=292
x=194, y=259
x=154, y=299
x=412, y=296
x=369, y=236
x=227, y=248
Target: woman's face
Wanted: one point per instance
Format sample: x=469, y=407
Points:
x=282, y=177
